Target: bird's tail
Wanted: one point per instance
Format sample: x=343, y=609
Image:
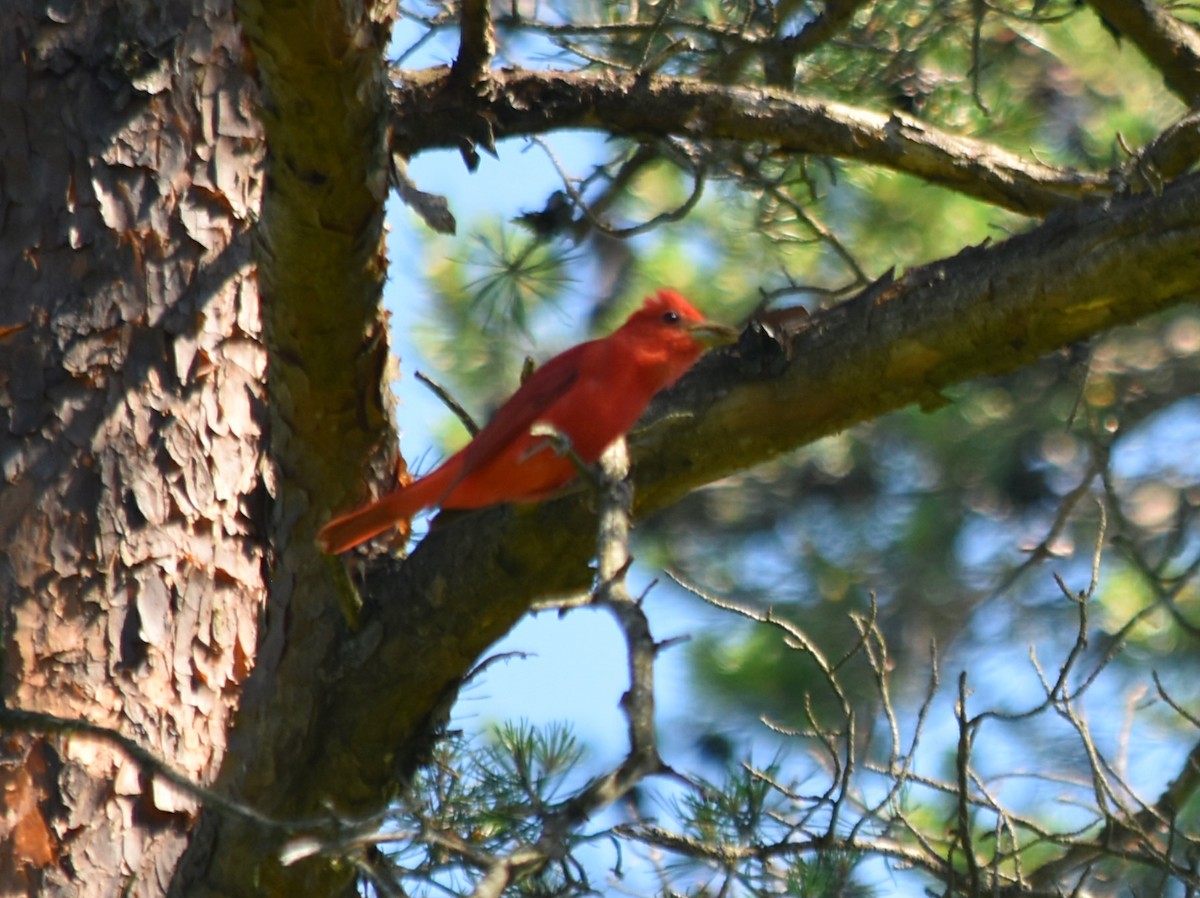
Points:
x=394, y=509
x=349, y=530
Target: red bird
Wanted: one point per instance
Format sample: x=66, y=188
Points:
x=591, y=394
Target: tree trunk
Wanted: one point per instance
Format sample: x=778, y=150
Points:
x=132, y=401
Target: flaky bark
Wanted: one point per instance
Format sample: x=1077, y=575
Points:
x=986, y=311
x=131, y=398
x=321, y=269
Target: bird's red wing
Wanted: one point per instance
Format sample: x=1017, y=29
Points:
x=517, y=416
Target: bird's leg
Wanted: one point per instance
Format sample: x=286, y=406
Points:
x=561, y=444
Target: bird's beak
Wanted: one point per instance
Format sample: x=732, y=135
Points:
x=708, y=334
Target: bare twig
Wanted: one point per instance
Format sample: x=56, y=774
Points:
x=1189, y=716
x=962, y=766
x=1062, y=517
x=433, y=208
x=613, y=561
x=20, y=720
x=775, y=190
x=633, y=230
x=1133, y=831
x=450, y=402
x=820, y=29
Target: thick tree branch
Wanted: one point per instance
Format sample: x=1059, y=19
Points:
x=429, y=111
x=986, y=311
x=477, y=42
x=1171, y=46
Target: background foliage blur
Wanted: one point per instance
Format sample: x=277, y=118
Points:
x=931, y=538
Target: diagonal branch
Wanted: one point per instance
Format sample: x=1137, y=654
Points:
x=1172, y=152
x=1170, y=45
x=836, y=15
x=429, y=112
x=986, y=311
x=15, y=720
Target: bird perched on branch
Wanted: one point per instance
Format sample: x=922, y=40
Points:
x=587, y=397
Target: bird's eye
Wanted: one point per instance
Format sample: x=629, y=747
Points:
x=671, y=317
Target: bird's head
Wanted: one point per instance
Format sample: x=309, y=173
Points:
x=674, y=321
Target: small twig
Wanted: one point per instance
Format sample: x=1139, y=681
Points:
x=634, y=230
x=18, y=719
x=774, y=188
x=1168, y=155
x=307, y=837
x=1191, y=718
x=433, y=208
x=835, y=16
x=1062, y=517
x=373, y=868
x=795, y=637
x=451, y=403
x=487, y=662
x=962, y=766
x=1097, y=552
x=978, y=11
x=656, y=28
